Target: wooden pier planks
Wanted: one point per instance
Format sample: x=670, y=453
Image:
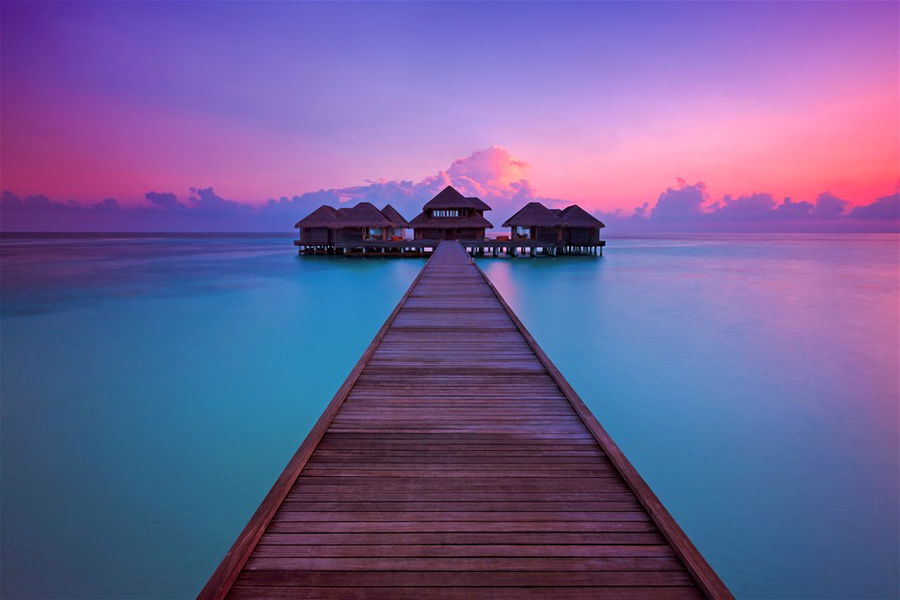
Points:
x=456, y=462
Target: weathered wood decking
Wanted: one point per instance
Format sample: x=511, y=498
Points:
x=456, y=462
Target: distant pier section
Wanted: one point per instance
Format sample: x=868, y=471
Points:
x=363, y=230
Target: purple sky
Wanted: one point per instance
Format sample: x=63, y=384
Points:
x=603, y=104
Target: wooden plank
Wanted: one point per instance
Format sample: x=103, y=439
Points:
x=454, y=462
x=456, y=505
x=244, y=592
x=515, y=496
x=288, y=526
x=476, y=578
x=286, y=514
x=460, y=550
x=444, y=563
x=462, y=484
x=324, y=540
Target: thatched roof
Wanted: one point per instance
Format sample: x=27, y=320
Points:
x=363, y=214
x=575, y=216
x=394, y=216
x=531, y=215
x=475, y=221
x=478, y=202
x=321, y=217
x=450, y=198
x=535, y=214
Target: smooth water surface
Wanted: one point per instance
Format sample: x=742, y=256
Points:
x=153, y=387
x=753, y=382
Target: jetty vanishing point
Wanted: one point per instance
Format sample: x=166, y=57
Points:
x=363, y=230
x=456, y=462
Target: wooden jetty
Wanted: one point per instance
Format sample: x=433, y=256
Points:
x=456, y=462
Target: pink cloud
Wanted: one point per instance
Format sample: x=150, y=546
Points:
x=490, y=173
x=493, y=174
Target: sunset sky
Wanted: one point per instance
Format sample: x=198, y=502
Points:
x=604, y=104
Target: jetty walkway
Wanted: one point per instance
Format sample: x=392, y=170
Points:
x=456, y=462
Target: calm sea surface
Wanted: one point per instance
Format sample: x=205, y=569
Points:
x=153, y=388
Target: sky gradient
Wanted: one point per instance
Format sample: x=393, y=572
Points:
x=603, y=104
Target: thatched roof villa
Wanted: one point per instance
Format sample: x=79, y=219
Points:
x=572, y=225
x=399, y=222
x=327, y=225
x=451, y=216
x=363, y=230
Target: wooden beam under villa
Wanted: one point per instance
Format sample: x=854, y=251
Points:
x=456, y=462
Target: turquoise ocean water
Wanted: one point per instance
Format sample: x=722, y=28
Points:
x=153, y=387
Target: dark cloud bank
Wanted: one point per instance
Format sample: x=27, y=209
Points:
x=490, y=174
x=688, y=208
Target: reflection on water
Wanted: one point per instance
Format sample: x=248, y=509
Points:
x=753, y=381
x=153, y=388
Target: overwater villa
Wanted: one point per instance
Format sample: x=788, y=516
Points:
x=570, y=226
x=397, y=231
x=451, y=216
x=327, y=226
x=363, y=230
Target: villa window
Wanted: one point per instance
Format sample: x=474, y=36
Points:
x=445, y=213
